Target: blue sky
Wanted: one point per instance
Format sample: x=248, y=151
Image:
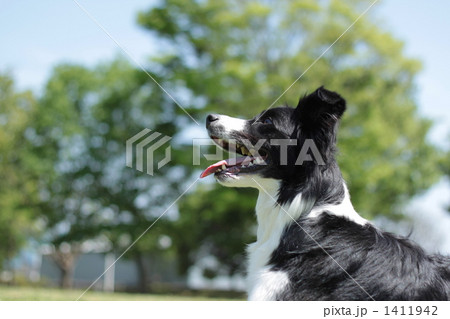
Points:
x=37, y=35
x=424, y=26
x=49, y=32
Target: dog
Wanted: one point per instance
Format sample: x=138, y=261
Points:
x=311, y=243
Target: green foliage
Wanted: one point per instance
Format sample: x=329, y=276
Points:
x=85, y=117
x=17, y=184
x=215, y=222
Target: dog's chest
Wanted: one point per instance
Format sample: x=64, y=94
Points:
x=263, y=282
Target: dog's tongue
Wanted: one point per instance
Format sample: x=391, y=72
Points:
x=228, y=162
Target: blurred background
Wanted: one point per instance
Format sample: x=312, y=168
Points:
x=75, y=85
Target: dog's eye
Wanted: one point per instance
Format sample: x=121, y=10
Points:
x=268, y=121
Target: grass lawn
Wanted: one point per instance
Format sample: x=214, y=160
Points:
x=51, y=294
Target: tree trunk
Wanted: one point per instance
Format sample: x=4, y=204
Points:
x=143, y=277
x=65, y=260
x=66, y=281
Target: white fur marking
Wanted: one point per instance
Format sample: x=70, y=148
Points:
x=231, y=124
x=264, y=284
x=268, y=285
x=344, y=209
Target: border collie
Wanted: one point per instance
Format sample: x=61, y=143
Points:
x=311, y=243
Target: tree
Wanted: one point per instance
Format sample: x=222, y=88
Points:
x=237, y=57
x=88, y=193
x=18, y=185
x=215, y=224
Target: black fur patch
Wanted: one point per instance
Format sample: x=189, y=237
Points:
x=386, y=266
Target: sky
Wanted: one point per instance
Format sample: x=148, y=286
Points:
x=37, y=35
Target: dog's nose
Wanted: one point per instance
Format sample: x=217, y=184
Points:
x=211, y=118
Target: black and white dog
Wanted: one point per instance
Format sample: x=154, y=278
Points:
x=311, y=243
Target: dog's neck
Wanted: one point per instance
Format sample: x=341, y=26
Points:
x=270, y=216
x=273, y=218
x=344, y=209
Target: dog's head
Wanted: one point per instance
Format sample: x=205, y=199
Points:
x=289, y=145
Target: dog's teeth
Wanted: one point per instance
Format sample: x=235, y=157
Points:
x=250, y=164
x=224, y=167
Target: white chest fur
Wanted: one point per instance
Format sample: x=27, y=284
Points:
x=264, y=283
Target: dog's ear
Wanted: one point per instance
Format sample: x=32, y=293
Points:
x=320, y=109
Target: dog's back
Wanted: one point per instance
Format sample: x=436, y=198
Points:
x=357, y=262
